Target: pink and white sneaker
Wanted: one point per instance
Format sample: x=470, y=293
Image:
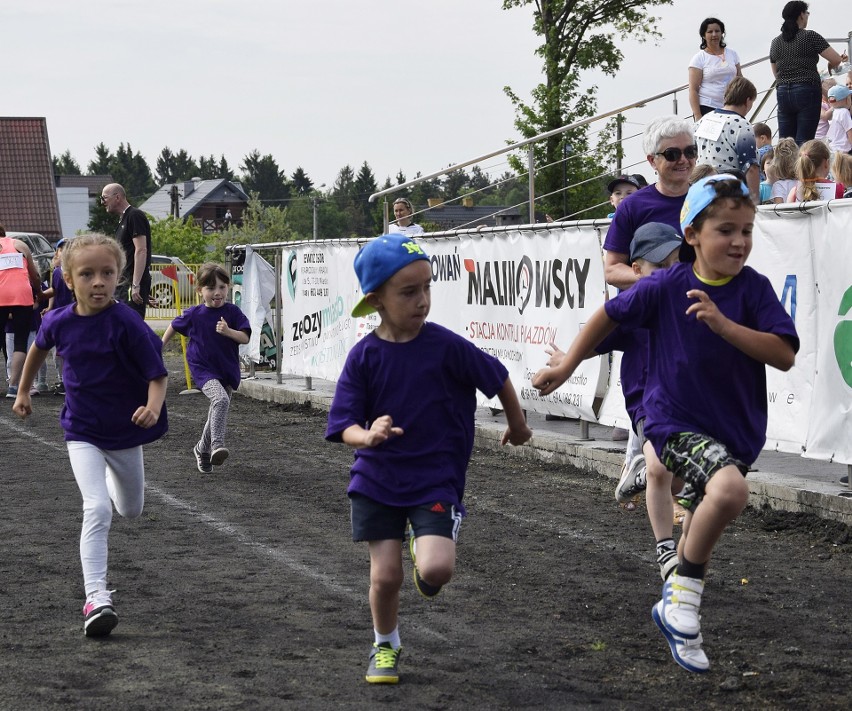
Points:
x=99, y=617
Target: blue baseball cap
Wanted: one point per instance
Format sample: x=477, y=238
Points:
x=379, y=260
x=654, y=241
x=701, y=194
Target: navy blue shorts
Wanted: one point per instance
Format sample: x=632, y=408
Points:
x=374, y=521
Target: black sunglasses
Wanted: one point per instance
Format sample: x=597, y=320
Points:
x=674, y=154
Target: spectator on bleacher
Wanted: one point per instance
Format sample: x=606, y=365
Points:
x=825, y=110
x=793, y=56
x=782, y=171
x=725, y=137
x=812, y=175
x=670, y=148
x=622, y=186
x=711, y=69
x=839, y=133
x=841, y=170
x=763, y=138
x=402, y=212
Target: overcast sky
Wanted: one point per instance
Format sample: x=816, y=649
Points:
x=410, y=85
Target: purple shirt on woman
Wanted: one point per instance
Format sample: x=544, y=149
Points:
x=697, y=381
x=212, y=356
x=108, y=360
x=428, y=386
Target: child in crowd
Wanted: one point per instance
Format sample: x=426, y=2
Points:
x=621, y=187
x=766, y=182
x=783, y=169
x=60, y=296
x=839, y=133
x=406, y=401
x=701, y=171
x=706, y=430
x=812, y=173
x=114, y=404
x=763, y=139
x=841, y=169
x=215, y=329
x=40, y=385
x=655, y=245
x=825, y=110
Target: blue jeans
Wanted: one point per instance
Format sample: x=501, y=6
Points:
x=798, y=111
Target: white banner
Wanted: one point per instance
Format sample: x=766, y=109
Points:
x=829, y=431
x=258, y=291
x=512, y=292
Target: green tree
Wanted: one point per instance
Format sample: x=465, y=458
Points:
x=368, y=215
x=260, y=223
x=179, y=238
x=102, y=221
x=302, y=184
x=102, y=162
x=66, y=165
x=225, y=171
x=175, y=167
x=455, y=184
x=262, y=175
x=577, y=35
x=130, y=170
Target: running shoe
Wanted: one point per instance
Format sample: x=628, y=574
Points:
x=34, y=391
x=99, y=616
x=384, y=664
x=686, y=652
x=43, y=387
x=12, y=392
x=59, y=388
x=680, y=605
x=633, y=480
x=202, y=461
x=425, y=589
x=667, y=560
x=219, y=455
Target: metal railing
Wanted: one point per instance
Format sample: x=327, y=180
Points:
x=764, y=110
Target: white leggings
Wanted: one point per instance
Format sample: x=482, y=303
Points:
x=105, y=477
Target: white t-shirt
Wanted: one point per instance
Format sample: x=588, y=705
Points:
x=411, y=230
x=717, y=72
x=837, y=135
x=781, y=188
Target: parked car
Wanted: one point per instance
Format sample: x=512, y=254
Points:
x=41, y=249
x=162, y=287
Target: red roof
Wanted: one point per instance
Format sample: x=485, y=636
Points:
x=27, y=191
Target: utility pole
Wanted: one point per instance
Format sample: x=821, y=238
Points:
x=315, y=203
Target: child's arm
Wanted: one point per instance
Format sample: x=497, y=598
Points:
x=168, y=335
x=147, y=415
x=598, y=327
x=518, y=431
x=232, y=333
x=557, y=354
x=767, y=348
x=23, y=402
x=380, y=431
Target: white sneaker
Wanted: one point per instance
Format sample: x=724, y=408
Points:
x=680, y=605
x=633, y=480
x=686, y=652
x=99, y=616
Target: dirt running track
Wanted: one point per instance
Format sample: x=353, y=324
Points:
x=243, y=590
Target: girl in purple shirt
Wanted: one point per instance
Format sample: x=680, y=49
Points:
x=114, y=403
x=714, y=326
x=215, y=329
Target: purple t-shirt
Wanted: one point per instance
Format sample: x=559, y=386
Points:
x=645, y=205
x=212, y=356
x=428, y=386
x=697, y=381
x=634, y=366
x=108, y=361
x=62, y=295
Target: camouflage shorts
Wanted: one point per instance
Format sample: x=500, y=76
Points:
x=695, y=458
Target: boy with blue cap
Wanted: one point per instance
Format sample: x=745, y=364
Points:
x=714, y=325
x=406, y=401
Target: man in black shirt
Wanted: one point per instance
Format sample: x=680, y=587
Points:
x=134, y=236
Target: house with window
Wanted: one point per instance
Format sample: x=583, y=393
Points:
x=212, y=204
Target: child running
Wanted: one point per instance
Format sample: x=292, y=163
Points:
x=714, y=326
x=215, y=329
x=406, y=401
x=114, y=403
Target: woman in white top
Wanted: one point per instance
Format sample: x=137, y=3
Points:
x=402, y=212
x=711, y=69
